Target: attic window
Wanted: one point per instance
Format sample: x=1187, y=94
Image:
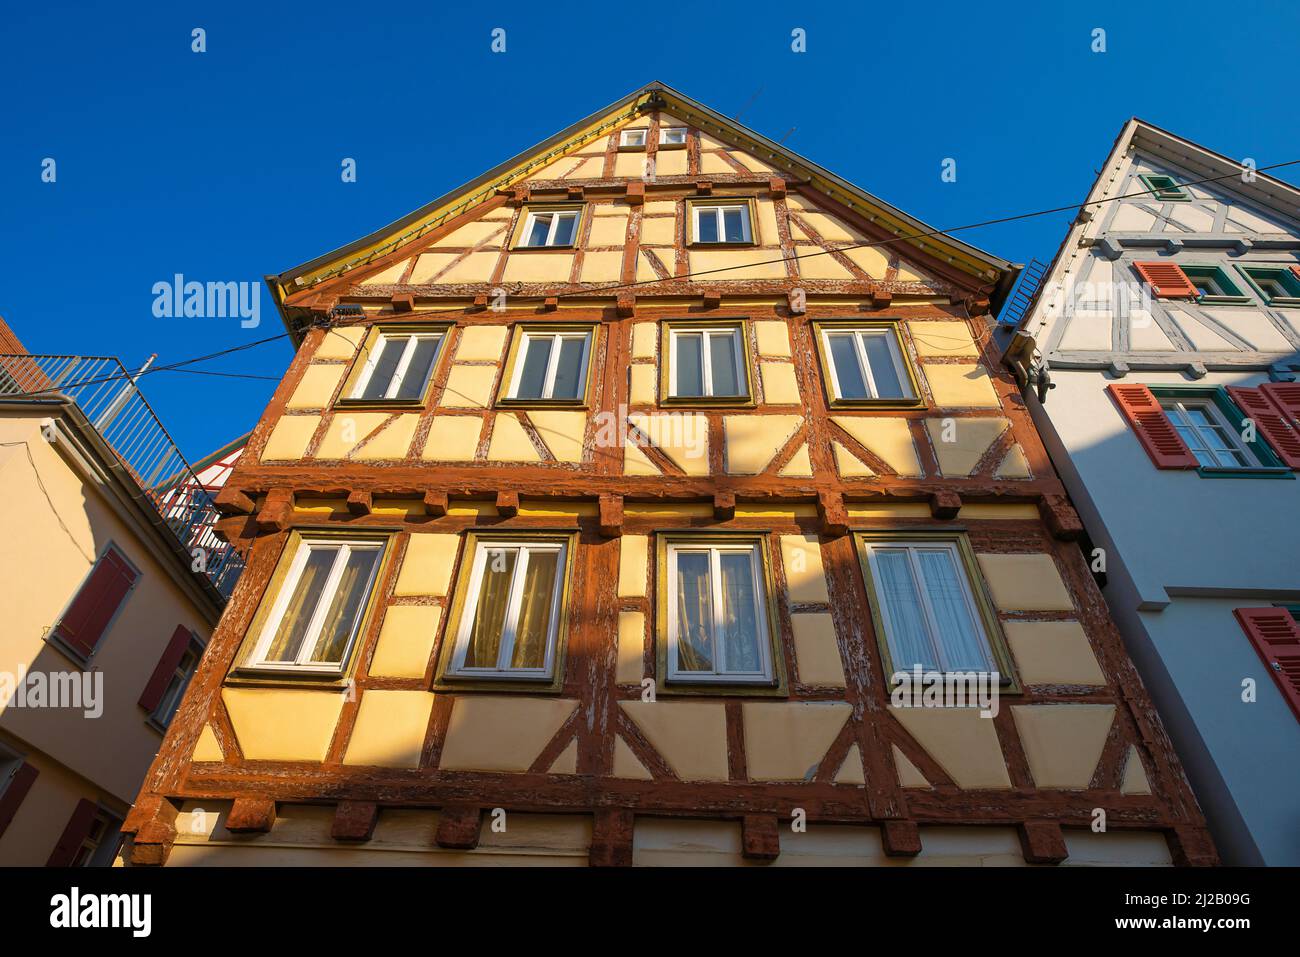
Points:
x=1279, y=285
x=724, y=222
x=672, y=137
x=632, y=139
x=1164, y=187
x=1213, y=285
x=545, y=227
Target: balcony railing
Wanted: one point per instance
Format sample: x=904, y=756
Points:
x=110, y=399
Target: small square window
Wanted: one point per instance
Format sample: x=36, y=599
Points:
x=549, y=365
x=672, y=137
x=511, y=609
x=545, y=228
x=721, y=223
x=316, y=615
x=865, y=364
x=1163, y=187
x=632, y=139
x=1277, y=284
x=716, y=612
x=1212, y=284
x=397, y=366
x=707, y=362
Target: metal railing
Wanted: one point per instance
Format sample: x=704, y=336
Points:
x=108, y=396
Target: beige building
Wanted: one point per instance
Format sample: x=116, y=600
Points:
x=105, y=617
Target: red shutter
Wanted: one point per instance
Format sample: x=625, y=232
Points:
x=1286, y=396
x=1152, y=427
x=1167, y=280
x=1270, y=422
x=1276, y=637
x=162, y=674
x=1295, y=271
x=78, y=829
x=83, y=624
x=13, y=795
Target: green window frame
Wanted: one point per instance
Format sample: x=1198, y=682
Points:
x=1212, y=277
x=1265, y=277
x=1164, y=187
x=1270, y=466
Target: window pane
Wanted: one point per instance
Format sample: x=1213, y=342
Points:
x=844, y=359
x=722, y=360
x=883, y=371
x=694, y=612
x=907, y=632
x=532, y=377
x=962, y=642
x=345, y=609
x=390, y=354
x=490, y=611
x=735, y=224
x=739, y=612
x=417, y=373
x=535, y=610
x=297, y=616
x=541, y=227
x=689, y=364
x=569, y=370
x=708, y=225
x=564, y=229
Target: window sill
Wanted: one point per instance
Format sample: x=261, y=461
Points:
x=867, y=405
x=672, y=146
x=708, y=402
x=380, y=404
x=631, y=149
x=1224, y=301
x=567, y=247
x=701, y=244
x=1284, y=301
x=79, y=658
x=1279, y=472
x=724, y=689
x=541, y=404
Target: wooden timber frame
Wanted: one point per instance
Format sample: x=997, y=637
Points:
x=260, y=502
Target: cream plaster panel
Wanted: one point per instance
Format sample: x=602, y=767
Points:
x=760, y=263
x=683, y=437
x=1088, y=331
x=428, y=265
x=1135, y=776
x=971, y=439
x=889, y=438
x=1063, y=743
x=644, y=270
x=753, y=440
x=631, y=648
x=714, y=163
x=643, y=386
x=816, y=651
x=870, y=260
x=627, y=765
x=658, y=231
x=830, y=228
x=773, y=338
x=476, y=267
x=1014, y=464
x=390, y=729
x=469, y=387
x=405, y=641
x=609, y=230
x=767, y=231
x=1053, y=653
x=821, y=266
x=785, y=741
x=909, y=775
x=534, y=266
x=387, y=277
x=850, y=771
x=964, y=744
x=779, y=384
x=801, y=556
x=661, y=207
x=1144, y=335
x=1253, y=326
x=471, y=234
x=633, y=558
x=1025, y=582
x=961, y=386
x=499, y=733
x=645, y=337
x=567, y=762
x=942, y=338
x=631, y=165
x=751, y=163
x=691, y=737
x=563, y=432
x=635, y=462
x=1200, y=335
x=341, y=343
x=208, y=748
x=481, y=343
x=274, y=724
x=289, y=438
x=848, y=464
x=510, y=443
x=426, y=567
x=394, y=442
x=452, y=438
x=346, y=430
x=602, y=267
x=317, y=386
x=799, y=466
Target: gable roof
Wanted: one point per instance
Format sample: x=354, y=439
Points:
x=410, y=228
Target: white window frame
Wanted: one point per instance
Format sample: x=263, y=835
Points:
x=624, y=138
x=761, y=598
x=100, y=853
x=706, y=352
x=303, y=663
x=864, y=366
x=927, y=608
x=717, y=210
x=552, y=364
x=1177, y=415
x=482, y=554
x=665, y=130
x=556, y=215
x=403, y=364
x=196, y=645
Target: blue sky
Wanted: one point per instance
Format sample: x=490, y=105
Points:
x=224, y=165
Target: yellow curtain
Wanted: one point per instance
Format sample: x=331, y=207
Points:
x=342, y=615
x=490, y=614
x=297, y=615
x=535, y=610
x=694, y=619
